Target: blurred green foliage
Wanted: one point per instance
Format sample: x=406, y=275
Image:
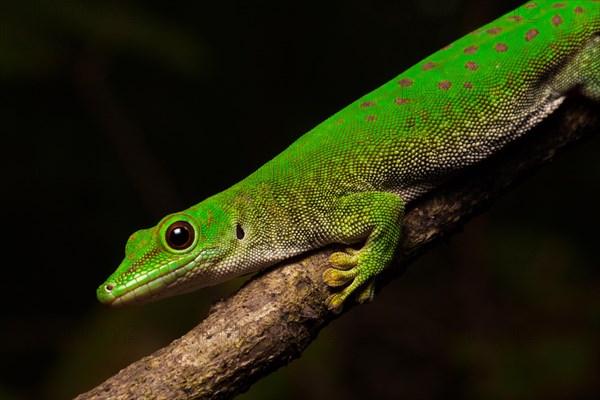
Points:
x=35, y=35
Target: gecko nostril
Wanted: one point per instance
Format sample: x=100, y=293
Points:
x=109, y=288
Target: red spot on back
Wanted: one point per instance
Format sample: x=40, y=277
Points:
x=367, y=104
x=471, y=50
x=531, y=34
x=428, y=66
x=500, y=47
x=405, y=82
x=530, y=6
x=559, y=5
x=579, y=10
x=468, y=85
x=494, y=31
x=444, y=85
x=557, y=20
x=371, y=117
x=515, y=18
x=471, y=65
x=401, y=101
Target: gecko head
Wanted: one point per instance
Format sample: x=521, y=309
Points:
x=183, y=252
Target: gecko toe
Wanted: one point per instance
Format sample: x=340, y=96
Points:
x=335, y=303
x=343, y=260
x=367, y=293
x=336, y=278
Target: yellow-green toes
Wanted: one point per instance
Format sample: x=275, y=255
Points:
x=336, y=278
x=366, y=293
x=346, y=271
x=335, y=302
x=344, y=268
x=344, y=259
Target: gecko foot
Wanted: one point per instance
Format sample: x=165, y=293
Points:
x=374, y=217
x=347, y=269
x=343, y=268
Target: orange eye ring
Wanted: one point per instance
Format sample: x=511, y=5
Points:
x=180, y=235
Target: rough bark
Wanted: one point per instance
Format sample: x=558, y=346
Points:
x=275, y=316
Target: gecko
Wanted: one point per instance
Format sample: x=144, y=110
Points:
x=349, y=179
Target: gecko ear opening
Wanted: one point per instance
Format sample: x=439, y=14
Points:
x=239, y=231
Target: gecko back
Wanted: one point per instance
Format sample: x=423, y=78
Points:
x=457, y=106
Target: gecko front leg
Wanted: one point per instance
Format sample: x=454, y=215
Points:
x=374, y=217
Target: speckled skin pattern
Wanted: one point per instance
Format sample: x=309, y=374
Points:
x=348, y=180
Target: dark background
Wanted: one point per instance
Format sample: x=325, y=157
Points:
x=115, y=113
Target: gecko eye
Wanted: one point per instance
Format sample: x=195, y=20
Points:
x=180, y=235
x=239, y=232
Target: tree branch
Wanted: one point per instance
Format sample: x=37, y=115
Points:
x=276, y=315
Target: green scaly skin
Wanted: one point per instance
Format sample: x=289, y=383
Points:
x=349, y=179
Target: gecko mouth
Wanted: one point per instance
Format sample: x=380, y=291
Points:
x=151, y=285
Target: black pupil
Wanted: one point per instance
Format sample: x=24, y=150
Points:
x=180, y=235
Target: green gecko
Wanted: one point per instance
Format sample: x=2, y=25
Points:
x=349, y=179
